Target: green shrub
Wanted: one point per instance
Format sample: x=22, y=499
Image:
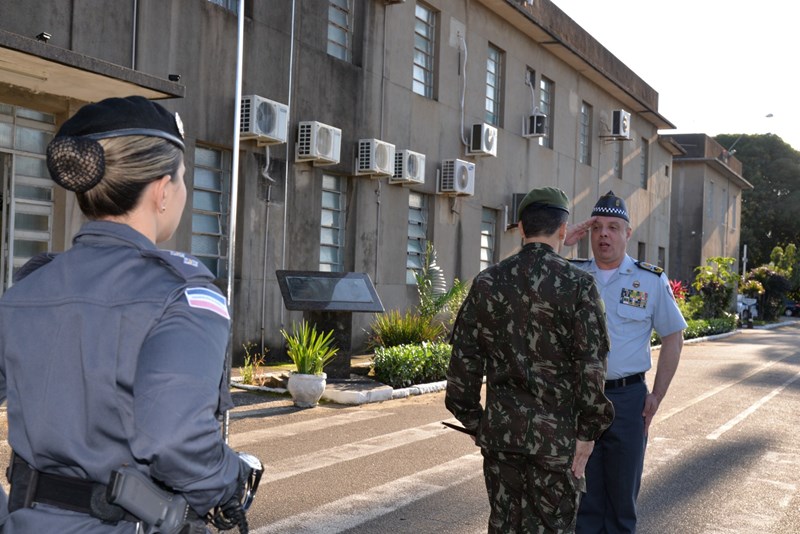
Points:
x=405, y=365
x=392, y=329
x=715, y=283
x=776, y=286
x=691, y=307
x=704, y=327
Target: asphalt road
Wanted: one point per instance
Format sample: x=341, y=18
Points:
x=722, y=457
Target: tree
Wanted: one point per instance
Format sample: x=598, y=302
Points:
x=769, y=211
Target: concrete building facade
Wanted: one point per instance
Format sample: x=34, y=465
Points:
x=706, y=217
x=416, y=75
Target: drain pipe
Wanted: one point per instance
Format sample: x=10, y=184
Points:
x=134, y=34
x=237, y=112
x=286, y=167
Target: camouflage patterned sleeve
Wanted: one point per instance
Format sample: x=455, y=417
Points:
x=467, y=364
x=591, y=345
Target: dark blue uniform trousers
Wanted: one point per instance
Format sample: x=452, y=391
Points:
x=614, y=470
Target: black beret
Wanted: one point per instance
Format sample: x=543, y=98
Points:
x=544, y=197
x=115, y=117
x=610, y=205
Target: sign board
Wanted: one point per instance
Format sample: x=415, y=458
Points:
x=324, y=291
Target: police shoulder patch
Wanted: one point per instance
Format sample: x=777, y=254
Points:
x=649, y=267
x=207, y=299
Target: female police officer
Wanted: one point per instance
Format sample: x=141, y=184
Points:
x=112, y=353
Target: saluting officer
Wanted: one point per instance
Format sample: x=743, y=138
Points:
x=534, y=325
x=638, y=299
x=112, y=353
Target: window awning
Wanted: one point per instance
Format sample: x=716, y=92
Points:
x=32, y=70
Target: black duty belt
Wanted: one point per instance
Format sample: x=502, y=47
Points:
x=625, y=381
x=30, y=486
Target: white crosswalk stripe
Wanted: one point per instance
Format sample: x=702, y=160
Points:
x=351, y=451
x=293, y=429
x=358, y=509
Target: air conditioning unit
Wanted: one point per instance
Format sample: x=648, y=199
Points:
x=457, y=178
x=621, y=123
x=263, y=120
x=409, y=168
x=483, y=141
x=318, y=143
x=375, y=157
x=534, y=125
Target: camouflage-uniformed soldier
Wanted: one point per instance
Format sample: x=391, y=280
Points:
x=535, y=326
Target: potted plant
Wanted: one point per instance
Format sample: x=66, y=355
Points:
x=310, y=352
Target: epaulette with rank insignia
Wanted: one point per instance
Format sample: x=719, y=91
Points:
x=655, y=269
x=579, y=260
x=186, y=266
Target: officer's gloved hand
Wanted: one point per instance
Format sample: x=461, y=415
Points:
x=232, y=513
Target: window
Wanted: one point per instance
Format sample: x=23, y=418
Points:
x=340, y=29
x=585, y=155
x=417, y=235
x=662, y=257
x=546, y=106
x=710, y=203
x=724, y=202
x=210, y=201
x=642, y=252
x=488, y=229
x=332, y=222
x=666, y=171
x=494, y=86
x=26, y=190
x=733, y=210
x=618, y=159
x=645, y=171
x=424, y=45
x=230, y=5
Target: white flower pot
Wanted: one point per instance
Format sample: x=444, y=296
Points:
x=306, y=390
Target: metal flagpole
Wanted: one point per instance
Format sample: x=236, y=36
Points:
x=237, y=112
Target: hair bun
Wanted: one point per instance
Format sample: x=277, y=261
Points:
x=76, y=163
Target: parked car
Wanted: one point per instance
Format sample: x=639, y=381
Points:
x=792, y=308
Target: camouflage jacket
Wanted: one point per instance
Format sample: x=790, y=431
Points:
x=535, y=326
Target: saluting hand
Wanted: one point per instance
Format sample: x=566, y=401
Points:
x=576, y=231
x=583, y=449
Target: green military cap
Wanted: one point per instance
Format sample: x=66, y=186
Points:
x=544, y=197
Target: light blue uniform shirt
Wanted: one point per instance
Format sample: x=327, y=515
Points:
x=637, y=301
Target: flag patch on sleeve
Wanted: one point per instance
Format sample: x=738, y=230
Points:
x=206, y=299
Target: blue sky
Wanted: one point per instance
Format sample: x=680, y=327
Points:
x=718, y=66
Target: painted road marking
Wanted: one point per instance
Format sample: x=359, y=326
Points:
x=751, y=410
x=710, y=393
x=354, y=510
x=293, y=429
x=359, y=449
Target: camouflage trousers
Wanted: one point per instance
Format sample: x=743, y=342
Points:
x=530, y=494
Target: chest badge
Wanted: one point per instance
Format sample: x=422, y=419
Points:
x=633, y=297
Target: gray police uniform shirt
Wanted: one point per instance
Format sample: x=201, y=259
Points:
x=638, y=300
x=112, y=354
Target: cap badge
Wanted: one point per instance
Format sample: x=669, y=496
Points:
x=179, y=124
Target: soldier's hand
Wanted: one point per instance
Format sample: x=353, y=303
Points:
x=576, y=232
x=583, y=449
